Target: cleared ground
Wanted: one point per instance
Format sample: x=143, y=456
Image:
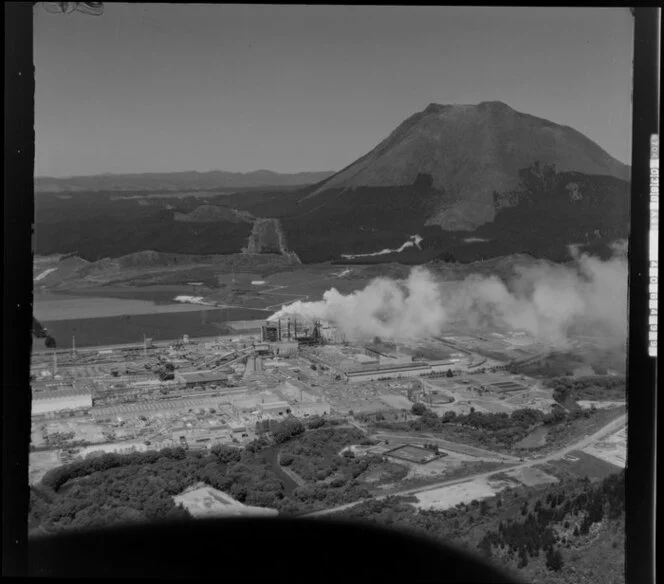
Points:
x=40, y=463
x=119, y=447
x=89, y=432
x=448, y=497
x=398, y=402
x=600, y=405
x=208, y=502
x=612, y=449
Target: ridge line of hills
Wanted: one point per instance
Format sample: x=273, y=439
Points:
x=471, y=181
x=188, y=180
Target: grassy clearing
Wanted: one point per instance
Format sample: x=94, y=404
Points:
x=571, y=430
x=585, y=465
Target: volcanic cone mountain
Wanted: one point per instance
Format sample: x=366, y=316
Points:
x=471, y=158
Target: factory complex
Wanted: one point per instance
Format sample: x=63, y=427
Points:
x=198, y=393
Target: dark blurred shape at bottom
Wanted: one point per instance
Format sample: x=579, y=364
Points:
x=252, y=549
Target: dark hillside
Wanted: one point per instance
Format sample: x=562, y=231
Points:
x=100, y=237
x=474, y=181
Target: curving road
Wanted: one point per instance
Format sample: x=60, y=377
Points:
x=416, y=438
x=609, y=428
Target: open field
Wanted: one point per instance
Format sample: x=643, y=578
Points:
x=40, y=463
x=109, y=288
x=398, y=402
x=536, y=439
x=564, y=434
x=448, y=497
x=68, y=308
x=580, y=464
x=284, y=287
x=531, y=476
x=158, y=294
x=612, y=449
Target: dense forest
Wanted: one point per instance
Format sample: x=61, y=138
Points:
x=114, y=488
x=573, y=531
x=314, y=457
x=542, y=219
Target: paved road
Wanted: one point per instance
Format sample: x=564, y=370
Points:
x=609, y=428
x=414, y=438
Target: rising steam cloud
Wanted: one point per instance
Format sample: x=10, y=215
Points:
x=549, y=301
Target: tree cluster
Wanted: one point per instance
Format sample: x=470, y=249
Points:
x=481, y=427
x=287, y=429
x=315, y=456
x=588, y=388
x=113, y=488
x=533, y=531
x=526, y=537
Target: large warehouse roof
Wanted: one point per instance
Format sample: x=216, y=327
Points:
x=388, y=369
x=201, y=377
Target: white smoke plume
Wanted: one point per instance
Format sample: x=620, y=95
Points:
x=549, y=301
x=391, y=309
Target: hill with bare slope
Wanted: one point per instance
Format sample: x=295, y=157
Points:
x=468, y=152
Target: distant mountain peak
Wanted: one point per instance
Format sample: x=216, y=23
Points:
x=434, y=108
x=438, y=108
x=469, y=152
